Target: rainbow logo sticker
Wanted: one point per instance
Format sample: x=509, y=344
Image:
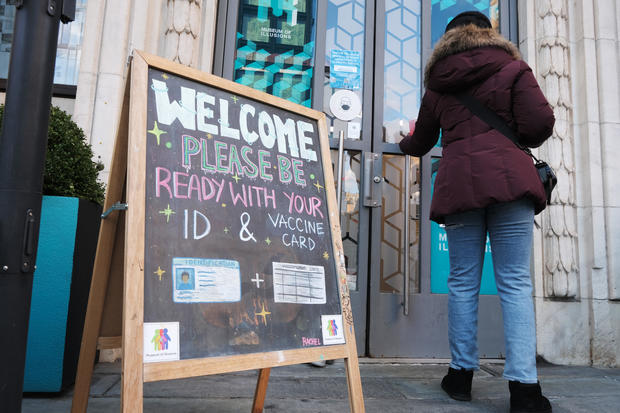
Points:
x=333, y=333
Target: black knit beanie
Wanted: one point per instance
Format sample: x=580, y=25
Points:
x=469, y=17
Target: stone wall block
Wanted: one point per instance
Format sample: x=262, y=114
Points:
x=613, y=245
x=552, y=253
x=561, y=113
x=563, y=187
x=556, y=215
x=544, y=8
x=572, y=200
x=573, y=283
x=566, y=255
x=560, y=129
x=544, y=61
x=565, y=98
x=170, y=15
x=195, y=19
x=610, y=134
x=550, y=27
x=552, y=89
x=608, y=60
x=181, y=15
x=566, y=61
x=548, y=285
x=560, y=285
x=570, y=221
x=557, y=7
x=172, y=45
x=186, y=46
x=553, y=152
x=563, y=30
x=557, y=59
x=605, y=19
x=605, y=334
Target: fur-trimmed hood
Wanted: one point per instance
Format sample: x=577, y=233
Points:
x=466, y=38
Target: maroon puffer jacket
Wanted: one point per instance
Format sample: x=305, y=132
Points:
x=480, y=166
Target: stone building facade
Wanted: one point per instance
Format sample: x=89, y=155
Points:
x=573, y=47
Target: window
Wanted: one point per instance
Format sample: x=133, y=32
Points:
x=69, y=46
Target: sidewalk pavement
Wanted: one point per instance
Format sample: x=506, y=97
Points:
x=390, y=386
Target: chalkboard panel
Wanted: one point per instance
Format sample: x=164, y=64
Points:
x=239, y=253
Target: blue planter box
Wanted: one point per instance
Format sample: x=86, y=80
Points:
x=66, y=252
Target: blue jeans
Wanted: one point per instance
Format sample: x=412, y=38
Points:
x=510, y=228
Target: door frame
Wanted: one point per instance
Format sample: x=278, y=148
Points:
x=427, y=312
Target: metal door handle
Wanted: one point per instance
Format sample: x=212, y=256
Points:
x=407, y=268
x=371, y=181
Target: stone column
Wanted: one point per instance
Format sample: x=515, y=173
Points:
x=559, y=229
x=573, y=48
x=562, y=323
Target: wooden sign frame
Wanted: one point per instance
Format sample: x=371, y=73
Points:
x=129, y=161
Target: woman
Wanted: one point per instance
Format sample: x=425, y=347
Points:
x=485, y=184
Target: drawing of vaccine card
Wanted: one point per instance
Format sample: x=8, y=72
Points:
x=201, y=280
x=161, y=341
x=333, y=333
x=298, y=283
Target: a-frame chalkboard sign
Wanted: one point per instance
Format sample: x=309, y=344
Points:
x=229, y=254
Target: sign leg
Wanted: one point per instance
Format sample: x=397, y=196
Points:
x=261, y=390
x=354, y=382
x=89, y=346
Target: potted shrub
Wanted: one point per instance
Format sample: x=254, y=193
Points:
x=70, y=218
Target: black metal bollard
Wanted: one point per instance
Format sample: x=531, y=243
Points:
x=22, y=158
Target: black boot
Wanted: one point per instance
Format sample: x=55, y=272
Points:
x=527, y=398
x=457, y=383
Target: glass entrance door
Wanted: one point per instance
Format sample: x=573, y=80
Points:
x=409, y=266
x=360, y=62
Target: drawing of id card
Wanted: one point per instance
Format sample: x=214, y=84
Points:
x=203, y=280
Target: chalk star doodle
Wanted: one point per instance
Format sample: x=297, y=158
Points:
x=235, y=98
x=263, y=314
x=209, y=136
x=245, y=235
x=226, y=230
x=167, y=212
x=165, y=76
x=326, y=255
x=257, y=280
x=157, y=132
x=318, y=186
x=268, y=241
x=236, y=178
x=159, y=272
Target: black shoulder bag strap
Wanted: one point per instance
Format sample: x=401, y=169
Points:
x=492, y=119
x=546, y=174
